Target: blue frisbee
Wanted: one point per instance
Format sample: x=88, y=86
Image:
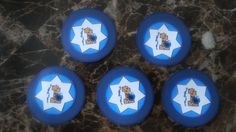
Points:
x=88, y=35
x=190, y=98
x=55, y=95
x=163, y=39
x=125, y=96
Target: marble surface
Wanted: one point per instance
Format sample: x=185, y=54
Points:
x=30, y=41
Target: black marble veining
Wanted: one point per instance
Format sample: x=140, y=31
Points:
x=30, y=41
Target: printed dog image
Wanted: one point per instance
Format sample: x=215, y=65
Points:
x=165, y=44
x=91, y=37
x=57, y=96
x=129, y=96
x=194, y=100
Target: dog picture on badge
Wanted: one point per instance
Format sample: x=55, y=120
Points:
x=88, y=35
x=163, y=39
x=190, y=98
x=125, y=96
x=128, y=95
x=88, y=38
x=55, y=95
x=129, y=92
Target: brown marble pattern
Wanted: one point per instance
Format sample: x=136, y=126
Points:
x=30, y=41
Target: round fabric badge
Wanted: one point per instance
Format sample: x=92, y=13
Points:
x=125, y=96
x=88, y=35
x=190, y=98
x=163, y=39
x=55, y=95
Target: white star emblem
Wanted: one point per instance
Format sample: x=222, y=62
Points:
x=81, y=37
x=118, y=96
x=183, y=97
x=47, y=93
x=155, y=41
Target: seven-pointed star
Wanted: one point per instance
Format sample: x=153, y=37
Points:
x=115, y=98
x=155, y=41
x=180, y=99
x=79, y=38
x=45, y=92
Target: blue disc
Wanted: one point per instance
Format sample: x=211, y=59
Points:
x=163, y=39
x=88, y=35
x=190, y=98
x=55, y=95
x=125, y=96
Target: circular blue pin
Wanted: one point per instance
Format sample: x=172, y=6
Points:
x=125, y=96
x=55, y=95
x=88, y=35
x=163, y=39
x=190, y=98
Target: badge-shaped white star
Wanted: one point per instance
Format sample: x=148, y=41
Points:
x=155, y=41
x=46, y=95
x=81, y=37
x=183, y=97
x=118, y=96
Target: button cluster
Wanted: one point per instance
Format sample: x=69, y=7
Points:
x=124, y=95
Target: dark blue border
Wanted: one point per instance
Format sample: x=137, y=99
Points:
x=171, y=19
x=96, y=14
x=71, y=112
x=109, y=113
x=177, y=117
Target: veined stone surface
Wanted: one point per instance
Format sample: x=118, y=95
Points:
x=30, y=40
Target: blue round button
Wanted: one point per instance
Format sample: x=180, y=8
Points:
x=125, y=96
x=88, y=35
x=190, y=98
x=163, y=39
x=55, y=95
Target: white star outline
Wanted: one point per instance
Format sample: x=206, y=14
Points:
x=134, y=86
x=78, y=40
x=172, y=37
x=43, y=95
x=201, y=90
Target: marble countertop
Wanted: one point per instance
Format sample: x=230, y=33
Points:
x=30, y=41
